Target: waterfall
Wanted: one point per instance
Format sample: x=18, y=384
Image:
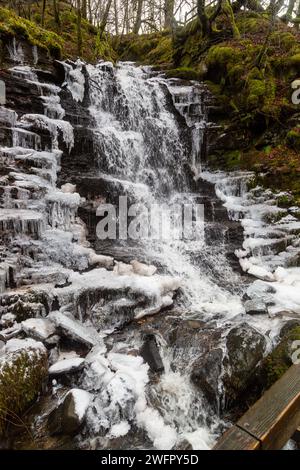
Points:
x=148, y=136
x=140, y=138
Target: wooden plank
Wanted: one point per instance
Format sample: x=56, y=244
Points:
x=276, y=415
x=237, y=439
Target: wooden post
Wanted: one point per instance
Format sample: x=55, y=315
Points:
x=271, y=421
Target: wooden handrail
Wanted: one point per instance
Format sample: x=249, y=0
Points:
x=271, y=421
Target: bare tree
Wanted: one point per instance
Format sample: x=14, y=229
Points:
x=138, y=19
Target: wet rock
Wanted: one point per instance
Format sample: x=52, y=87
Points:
x=206, y=373
x=70, y=414
x=195, y=324
x=66, y=366
x=280, y=359
x=183, y=445
x=255, y=307
x=52, y=341
x=260, y=291
x=289, y=326
x=38, y=328
x=23, y=371
x=7, y=320
x=75, y=330
x=245, y=348
x=143, y=269
x=150, y=353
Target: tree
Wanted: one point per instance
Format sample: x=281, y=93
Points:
x=104, y=18
x=79, y=32
x=56, y=12
x=169, y=14
x=205, y=19
x=138, y=19
x=43, y=12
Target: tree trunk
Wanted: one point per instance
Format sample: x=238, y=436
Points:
x=138, y=19
x=169, y=14
x=290, y=9
x=203, y=18
x=105, y=18
x=273, y=12
x=84, y=9
x=56, y=12
x=79, y=32
x=116, y=17
x=43, y=12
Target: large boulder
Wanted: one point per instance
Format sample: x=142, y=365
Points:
x=23, y=371
x=69, y=416
x=150, y=353
x=245, y=349
x=206, y=374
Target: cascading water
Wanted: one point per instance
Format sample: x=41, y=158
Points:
x=139, y=139
x=148, y=136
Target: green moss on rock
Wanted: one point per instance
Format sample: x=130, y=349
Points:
x=22, y=374
x=278, y=362
x=13, y=25
x=293, y=138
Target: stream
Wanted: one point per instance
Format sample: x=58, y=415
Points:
x=143, y=327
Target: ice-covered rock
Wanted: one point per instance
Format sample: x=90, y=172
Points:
x=68, y=188
x=123, y=269
x=75, y=330
x=38, y=328
x=255, y=308
x=143, y=269
x=66, y=366
x=70, y=414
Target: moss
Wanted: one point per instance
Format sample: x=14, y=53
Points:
x=104, y=49
x=162, y=53
x=284, y=200
x=278, y=362
x=251, y=23
x=232, y=158
x=256, y=90
x=222, y=55
x=185, y=73
x=285, y=40
x=295, y=59
x=227, y=8
x=293, y=138
x=13, y=25
x=22, y=375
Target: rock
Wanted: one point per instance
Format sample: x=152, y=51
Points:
x=150, y=353
x=38, y=328
x=52, y=341
x=7, y=320
x=101, y=260
x=260, y=291
x=281, y=358
x=70, y=414
x=143, y=269
x=288, y=326
x=23, y=371
x=66, y=366
x=123, y=268
x=75, y=330
x=68, y=188
x=183, y=445
x=206, y=374
x=255, y=308
x=195, y=324
x=245, y=348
